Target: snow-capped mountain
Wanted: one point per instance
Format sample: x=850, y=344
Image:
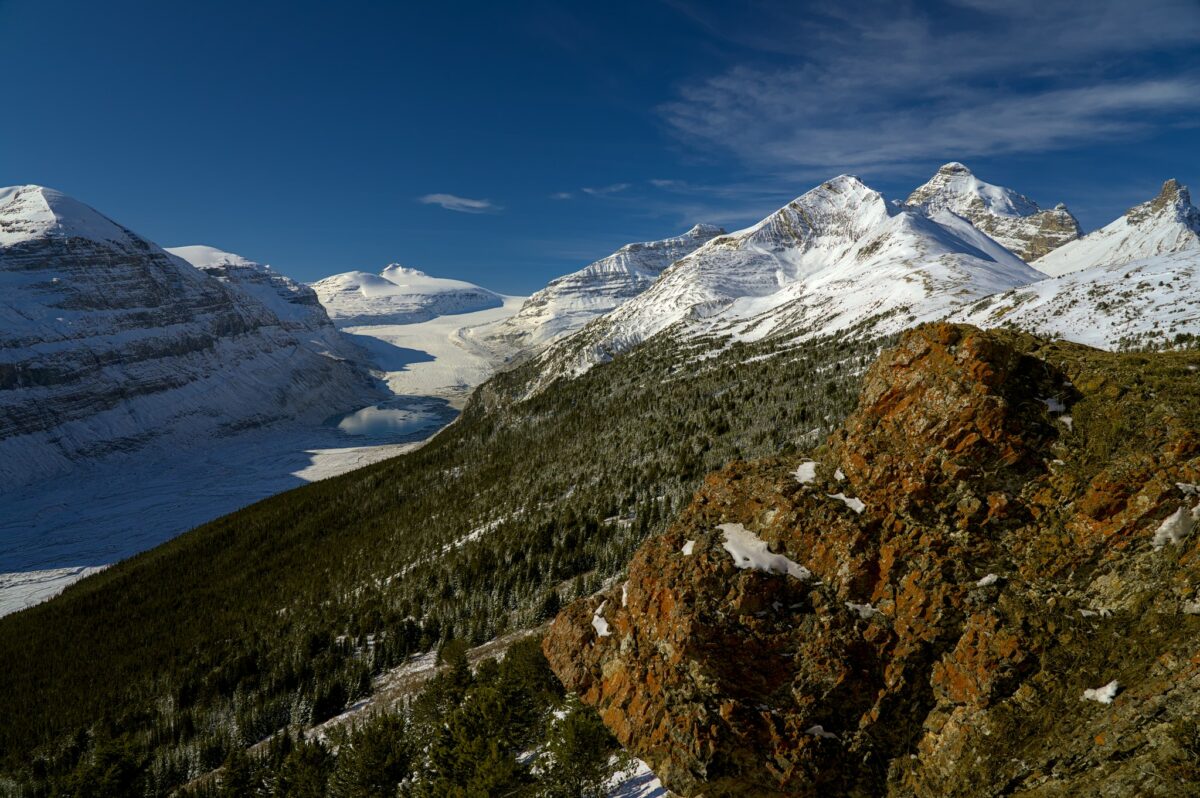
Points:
x=1167, y=224
x=109, y=343
x=838, y=257
x=569, y=302
x=1135, y=303
x=398, y=295
x=295, y=304
x=1012, y=219
x=1134, y=282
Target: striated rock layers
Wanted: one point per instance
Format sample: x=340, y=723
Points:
x=984, y=584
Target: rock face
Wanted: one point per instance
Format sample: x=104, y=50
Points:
x=1010, y=218
x=108, y=343
x=920, y=609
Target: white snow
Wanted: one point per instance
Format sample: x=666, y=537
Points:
x=864, y=611
x=839, y=475
x=1176, y=527
x=638, y=781
x=441, y=356
x=988, y=581
x=21, y=590
x=854, y=504
x=1149, y=300
x=1103, y=695
x=1001, y=216
x=598, y=621
x=748, y=551
x=398, y=295
x=32, y=212
x=57, y=530
x=688, y=547
x=1165, y=225
x=826, y=262
x=807, y=472
x=569, y=302
x=818, y=730
x=1053, y=404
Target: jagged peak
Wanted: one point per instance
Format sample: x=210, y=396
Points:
x=703, y=229
x=1173, y=201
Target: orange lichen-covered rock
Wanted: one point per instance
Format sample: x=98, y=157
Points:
x=922, y=612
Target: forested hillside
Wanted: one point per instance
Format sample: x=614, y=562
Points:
x=279, y=615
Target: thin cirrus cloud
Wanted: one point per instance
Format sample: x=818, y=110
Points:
x=601, y=191
x=452, y=202
x=880, y=91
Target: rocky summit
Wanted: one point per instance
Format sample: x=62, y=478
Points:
x=984, y=584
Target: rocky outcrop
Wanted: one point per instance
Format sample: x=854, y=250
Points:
x=1000, y=535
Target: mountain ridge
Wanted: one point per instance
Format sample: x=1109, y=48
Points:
x=1163, y=225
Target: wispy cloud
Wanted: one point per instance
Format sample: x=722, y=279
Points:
x=880, y=88
x=601, y=191
x=452, y=202
x=561, y=195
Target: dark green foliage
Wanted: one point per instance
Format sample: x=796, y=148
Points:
x=374, y=761
x=579, y=751
x=278, y=614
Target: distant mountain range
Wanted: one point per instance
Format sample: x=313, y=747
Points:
x=111, y=342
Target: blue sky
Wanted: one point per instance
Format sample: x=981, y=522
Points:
x=509, y=143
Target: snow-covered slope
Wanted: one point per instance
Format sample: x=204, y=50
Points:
x=569, y=302
x=109, y=344
x=1146, y=302
x=296, y=305
x=398, y=295
x=835, y=258
x=1012, y=219
x=1166, y=224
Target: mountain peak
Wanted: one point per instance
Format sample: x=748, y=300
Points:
x=400, y=270
x=1012, y=219
x=1164, y=225
x=703, y=229
x=206, y=257
x=31, y=211
x=1172, y=204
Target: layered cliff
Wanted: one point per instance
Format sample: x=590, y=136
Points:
x=108, y=343
x=983, y=584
